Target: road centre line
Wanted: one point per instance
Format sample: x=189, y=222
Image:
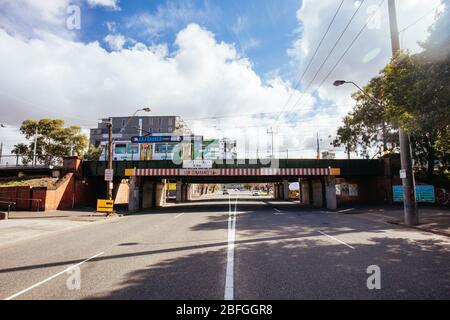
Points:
x=229, y=279
x=336, y=239
x=52, y=277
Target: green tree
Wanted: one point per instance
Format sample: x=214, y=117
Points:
x=367, y=126
x=93, y=153
x=54, y=141
x=414, y=94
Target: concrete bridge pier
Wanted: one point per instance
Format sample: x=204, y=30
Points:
x=160, y=194
x=285, y=186
x=184, y=192
x=319, y=192
x=148, y=196
x=179, y=192
x=134, y=195
x=330, y=191
x=275, y=191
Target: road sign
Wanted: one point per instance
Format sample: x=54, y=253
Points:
x=197, y=164
x=423, y=194
x=109, y=174
x=403, y=174
x=200, y=172
x=106, y=206
x=155, y=139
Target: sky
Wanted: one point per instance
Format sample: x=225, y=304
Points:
x=235, y=68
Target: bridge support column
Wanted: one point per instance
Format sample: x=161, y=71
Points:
x=179, y=191
x=330, y=192
x=184, y=192
x=134, y=195
x=275, y=191
x=317, y=192
x=280, y=191
x=285, y=187
x=160, y=200
x=305, y=191
x=190, y=191
x=147, y=195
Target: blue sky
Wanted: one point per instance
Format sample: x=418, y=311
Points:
x=231, y=73
x=262, y=30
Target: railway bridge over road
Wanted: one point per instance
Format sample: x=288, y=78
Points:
x=317, y=178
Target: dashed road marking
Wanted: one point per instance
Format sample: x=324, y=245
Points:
x=336, y=239
x=229, y=280
x=52, y=277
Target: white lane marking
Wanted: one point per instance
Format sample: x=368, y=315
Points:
x=178, y=215
x=379, y=215
x=52, y=277
x=229, y=279
x=336, y=239
x=346, y=210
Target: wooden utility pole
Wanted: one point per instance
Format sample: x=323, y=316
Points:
x=409, y=186
x=110, y=157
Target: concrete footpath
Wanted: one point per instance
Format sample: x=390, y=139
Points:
x=28, y=225
x=434, y=220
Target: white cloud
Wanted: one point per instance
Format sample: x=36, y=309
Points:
x=171, y=16
x=367, y=57
x=112, y=4
x=62, y=78
x=115, y=41
x=29, y=17
x=47, y=74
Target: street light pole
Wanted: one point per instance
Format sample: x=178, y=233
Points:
x=109, y=189
x=134, y=114
x=35, y=146
x=409, y=186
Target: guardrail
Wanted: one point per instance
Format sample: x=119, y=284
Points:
x=9, y=203
x=39, y=202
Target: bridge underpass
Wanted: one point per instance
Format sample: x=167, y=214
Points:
x=147, y=186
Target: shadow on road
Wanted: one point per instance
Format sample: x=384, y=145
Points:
x=288, y=259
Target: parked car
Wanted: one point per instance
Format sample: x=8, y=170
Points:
x=225, y=192
x=255, y=193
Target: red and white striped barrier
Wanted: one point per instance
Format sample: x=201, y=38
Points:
x=233, y=172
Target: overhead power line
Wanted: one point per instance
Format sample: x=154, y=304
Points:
x=329, y=54
x=420, y=19
x=312, y=58
x=350, y=45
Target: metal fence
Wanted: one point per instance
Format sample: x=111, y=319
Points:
x=14, y=161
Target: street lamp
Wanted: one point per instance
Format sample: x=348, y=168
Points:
x=134, y=114
x=409, y=185
x=339, y=83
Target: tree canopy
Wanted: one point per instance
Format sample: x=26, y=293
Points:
x=413, y=93
x=54, y=141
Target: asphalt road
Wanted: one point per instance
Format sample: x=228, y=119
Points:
x=229, y=248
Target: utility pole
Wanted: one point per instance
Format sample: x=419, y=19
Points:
x=109, y=124
x=271, y=132
x=35, y=146
x=409, y=185
x=318, y=147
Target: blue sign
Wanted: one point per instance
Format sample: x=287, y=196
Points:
x=423, y=194
x=155, y=139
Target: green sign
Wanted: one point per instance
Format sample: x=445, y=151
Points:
x=423, y=194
